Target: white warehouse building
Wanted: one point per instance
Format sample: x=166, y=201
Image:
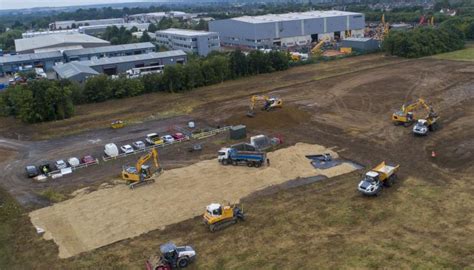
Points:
x=192, y=41
x=288, y=30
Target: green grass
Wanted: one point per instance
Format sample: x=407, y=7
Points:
x=52, y=195
x=461, y=55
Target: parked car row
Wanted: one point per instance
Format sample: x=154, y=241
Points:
x=47, y=167
x=111, y=149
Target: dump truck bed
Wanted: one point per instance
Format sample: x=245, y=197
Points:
x=386, y=170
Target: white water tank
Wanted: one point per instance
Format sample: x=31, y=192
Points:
x=111, y=150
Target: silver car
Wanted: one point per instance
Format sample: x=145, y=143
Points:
x=139, y=145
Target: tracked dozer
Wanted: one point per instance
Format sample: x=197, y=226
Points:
x=218, y=216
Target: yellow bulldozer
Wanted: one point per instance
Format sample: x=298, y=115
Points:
x=269, y=103
x=142, y=174
x=219, y=216
x=406, y=116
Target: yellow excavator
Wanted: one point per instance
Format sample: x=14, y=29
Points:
x=316, y=50
x=219, y=216
x=142, y=174
x=405, y=116
x=269, y=103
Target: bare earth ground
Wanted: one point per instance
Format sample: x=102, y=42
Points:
x=109, y=215
x=424, y=221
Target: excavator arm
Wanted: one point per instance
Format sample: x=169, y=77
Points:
x=153, y=153
x=317, y=48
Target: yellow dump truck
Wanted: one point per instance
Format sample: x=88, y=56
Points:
x=375, y=179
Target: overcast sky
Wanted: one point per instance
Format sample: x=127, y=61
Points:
x=15, y=4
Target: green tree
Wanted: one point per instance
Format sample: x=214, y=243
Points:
x=145, y=37
x=238, y=64
x=152, y=28
x=98, y=89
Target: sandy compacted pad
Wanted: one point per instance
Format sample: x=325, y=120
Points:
x=108, y=215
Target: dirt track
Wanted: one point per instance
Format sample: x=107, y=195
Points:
x=109, y=215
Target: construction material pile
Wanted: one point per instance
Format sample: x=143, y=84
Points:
x=105, y=216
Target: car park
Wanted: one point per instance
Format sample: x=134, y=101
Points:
x=167, y=139
x=127, y=149
x=60, y=164
x=32, y=171
x=139, y=145
x=88, y=159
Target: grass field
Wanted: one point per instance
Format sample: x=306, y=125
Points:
x=461, y=55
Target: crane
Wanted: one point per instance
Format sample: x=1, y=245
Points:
x=405, y=115
x=141, y=173
x=269, y=103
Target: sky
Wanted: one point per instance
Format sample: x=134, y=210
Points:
x=16, y=4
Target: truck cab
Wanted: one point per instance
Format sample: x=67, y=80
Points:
x=370, y=184
x=223, y=154
x=421, y=127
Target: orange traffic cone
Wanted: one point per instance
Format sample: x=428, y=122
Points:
x=433, y=154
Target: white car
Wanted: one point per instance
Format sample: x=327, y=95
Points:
x=167, y=138
x=60, y=164
x=139, y=145
x=127, y=149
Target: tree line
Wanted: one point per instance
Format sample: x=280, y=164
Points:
x=425, y=41
x=46, y=100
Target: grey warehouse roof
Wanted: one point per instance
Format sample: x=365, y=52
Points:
x=132, y=58
x=293, y=16
x=69, y=70
x=29, y=57
x=57, y=39
x=105, y=49
x=184, y=32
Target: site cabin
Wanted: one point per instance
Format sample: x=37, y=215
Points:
x=235, y=157
x=375, y=179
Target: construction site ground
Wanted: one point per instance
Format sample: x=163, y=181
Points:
x=425, y=220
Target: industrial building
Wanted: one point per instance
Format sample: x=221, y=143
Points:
x=10, y=64
x=199, y=42
x=49, y=32
x=99, y=29
x=79, y=71
x=61, y=25
x=288, y=30
x=57, y=42
x=108, y=51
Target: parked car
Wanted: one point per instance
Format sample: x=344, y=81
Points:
x=167, y=138
x=87, y=159
x=139, y=145
x=60, y=164
x=179, y=136
x=31, y=171
x=73, y=161
x=153, y=139
x=127, y=149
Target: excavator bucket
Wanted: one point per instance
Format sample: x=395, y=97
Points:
x=250, y=114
